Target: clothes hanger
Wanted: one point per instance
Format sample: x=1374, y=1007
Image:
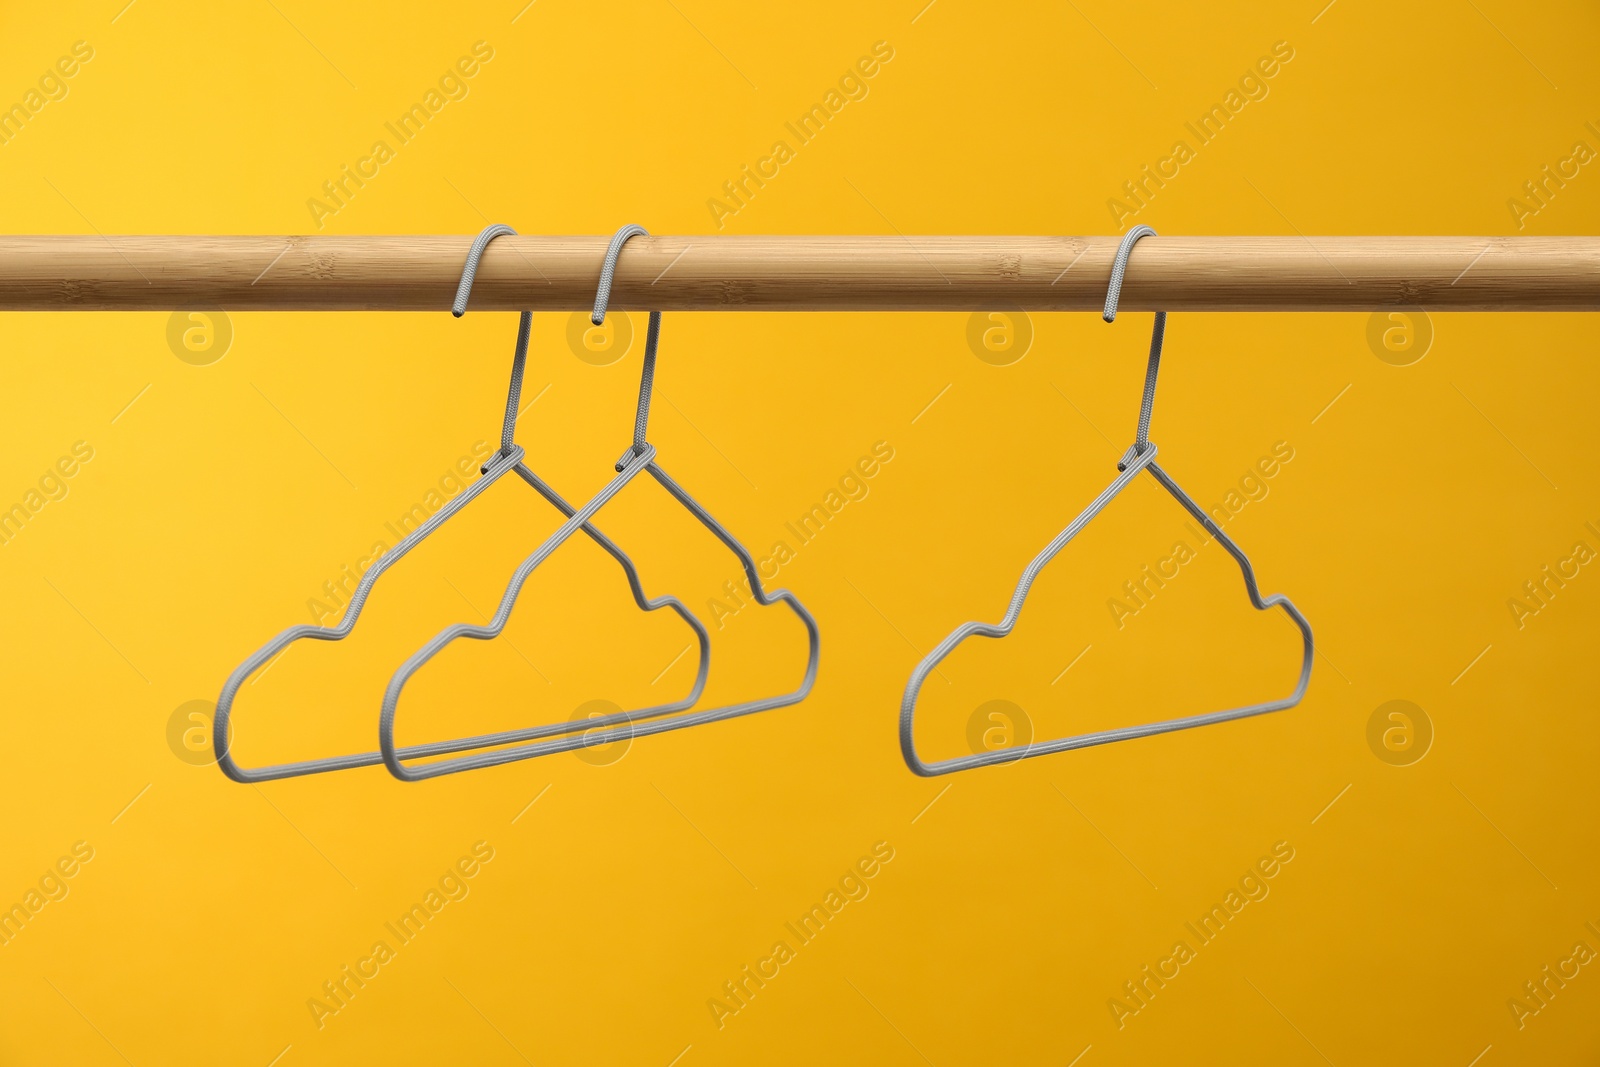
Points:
x=508, y=458
x=1140, y=457
x=639, y=457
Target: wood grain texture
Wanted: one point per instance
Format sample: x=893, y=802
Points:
x=419, y=273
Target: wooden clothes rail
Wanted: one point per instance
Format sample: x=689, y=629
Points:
x=801, y=273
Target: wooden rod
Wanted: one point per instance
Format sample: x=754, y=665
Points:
x=419, y=273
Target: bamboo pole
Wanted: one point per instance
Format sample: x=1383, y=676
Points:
x=801, y=273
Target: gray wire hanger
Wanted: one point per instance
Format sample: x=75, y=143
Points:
x=602, y=730
x=1141, y=456
x=508, y=458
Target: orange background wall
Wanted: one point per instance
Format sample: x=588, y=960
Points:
x=1422, y=868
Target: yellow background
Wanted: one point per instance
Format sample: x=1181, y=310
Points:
x=1019, y=900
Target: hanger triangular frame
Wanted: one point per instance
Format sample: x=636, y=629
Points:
x=639, y=458
x=1140, y=457
x=508, y=459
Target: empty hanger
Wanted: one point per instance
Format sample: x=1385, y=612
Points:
x=639, y=457
x=1141, y=456
x=508, y=458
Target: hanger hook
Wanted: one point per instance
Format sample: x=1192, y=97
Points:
x=1119, y=267
x=519, y=361
x=470, y=271
x=608, y=270
x=652, y=338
